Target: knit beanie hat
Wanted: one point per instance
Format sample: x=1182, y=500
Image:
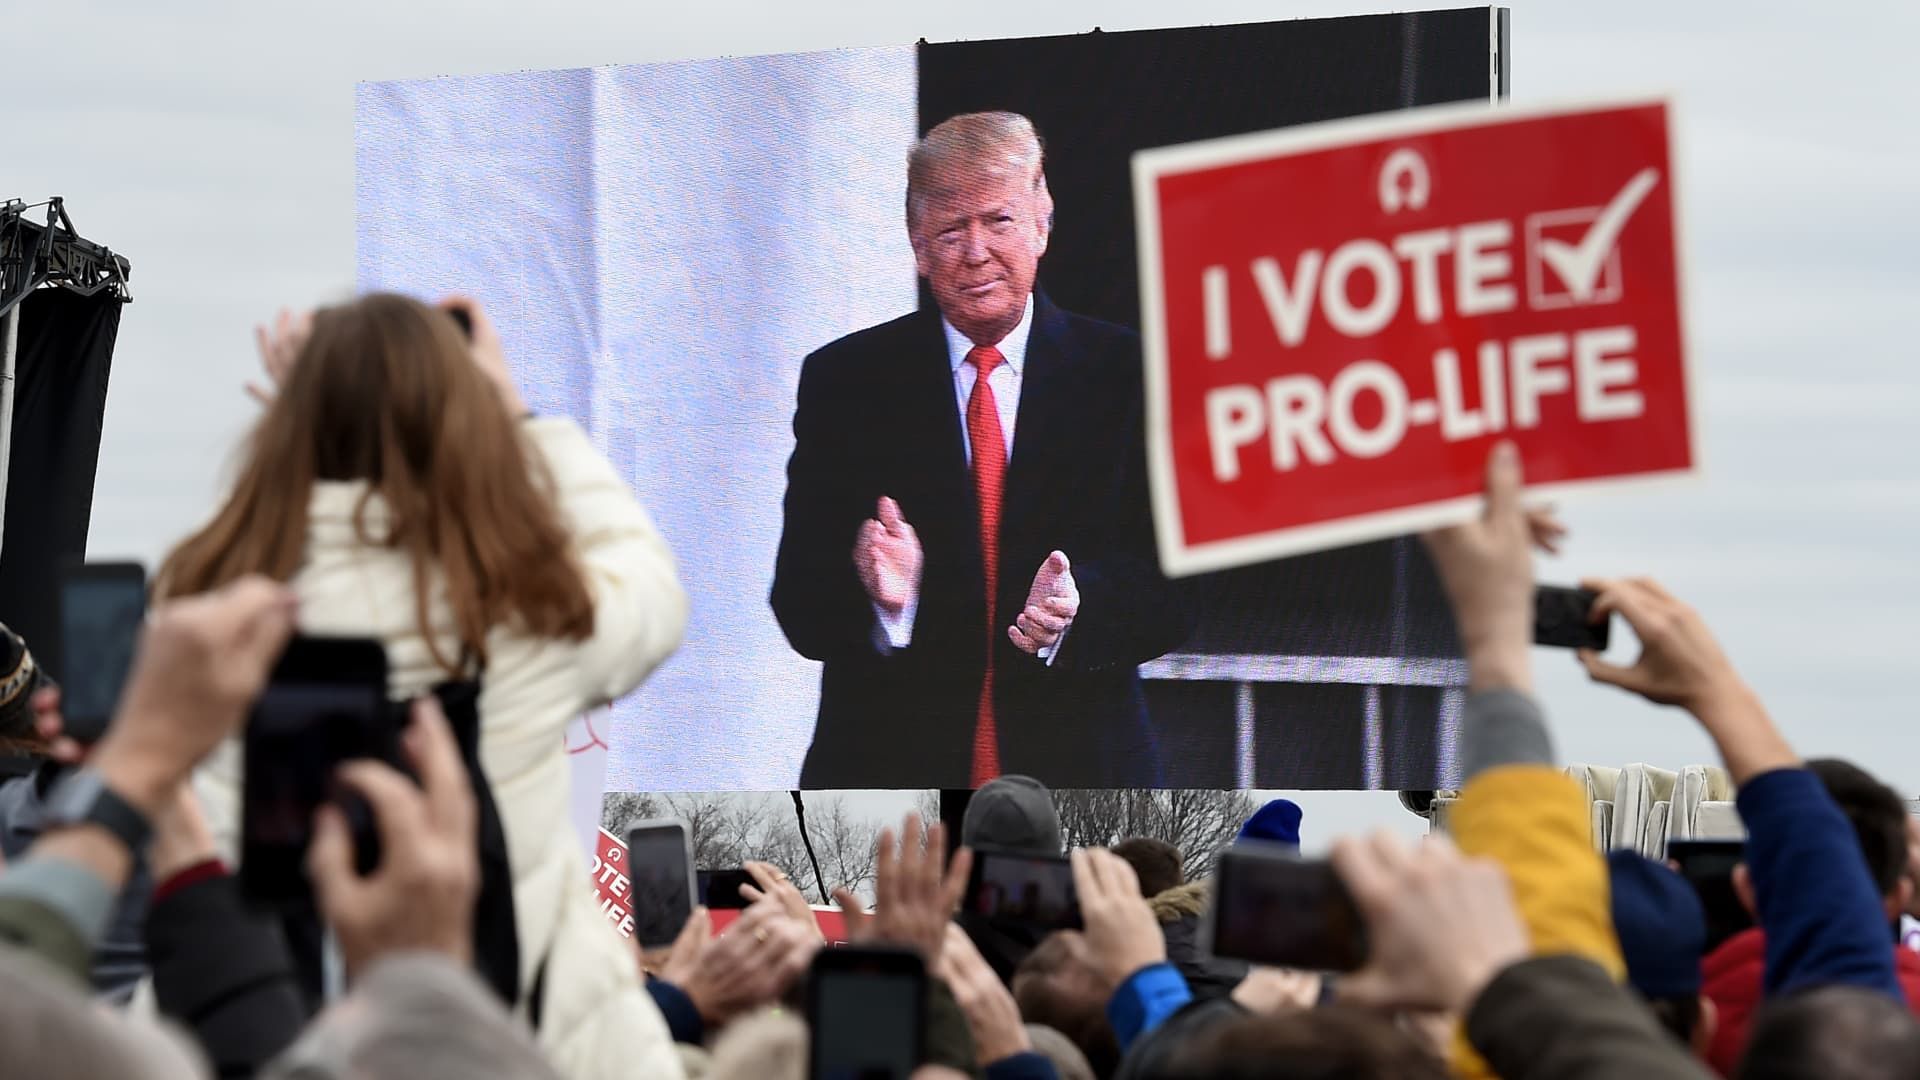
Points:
x=1278, y=822
x=1662, y=927
x=1012, y=813
x=19, y=678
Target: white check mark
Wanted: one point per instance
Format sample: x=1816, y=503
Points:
x=1579, y=264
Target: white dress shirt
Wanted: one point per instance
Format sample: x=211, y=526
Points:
x=895, y=631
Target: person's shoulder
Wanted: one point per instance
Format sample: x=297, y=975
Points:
x=872, y=345
x=1095, y=333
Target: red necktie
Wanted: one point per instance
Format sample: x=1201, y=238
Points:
x=989, y=470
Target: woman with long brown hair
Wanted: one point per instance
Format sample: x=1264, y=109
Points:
x=398, y=484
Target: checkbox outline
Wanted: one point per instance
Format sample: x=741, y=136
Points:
x=1610, y=288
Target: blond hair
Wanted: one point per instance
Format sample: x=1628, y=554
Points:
x=971, y=144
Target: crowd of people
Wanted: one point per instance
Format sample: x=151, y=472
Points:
x=397, y=489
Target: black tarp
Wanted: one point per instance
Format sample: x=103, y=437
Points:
x=59, y=399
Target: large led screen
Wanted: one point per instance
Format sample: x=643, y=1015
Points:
x=893, y=436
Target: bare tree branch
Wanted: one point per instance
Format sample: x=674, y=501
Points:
x=1197, y=822
x=727, y=830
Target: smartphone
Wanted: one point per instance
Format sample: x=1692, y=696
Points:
x=1033, y=890
x=660, y=880
x=720, y=889
x=325, y=704
x=1708, y=867
x=867, y=1013
x=1562, y=619
x=1270, y=906
x=101, y=608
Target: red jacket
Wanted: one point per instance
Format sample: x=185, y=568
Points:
x=1731, y=975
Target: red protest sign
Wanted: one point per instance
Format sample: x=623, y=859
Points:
x=1340, y=320
x=611, y=888
x=612, y=893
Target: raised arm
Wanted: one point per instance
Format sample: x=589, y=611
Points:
x=1816, y=899
x=639, y=607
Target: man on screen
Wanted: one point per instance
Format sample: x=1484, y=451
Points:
x=967, y=544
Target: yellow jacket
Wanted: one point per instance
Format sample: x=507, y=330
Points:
x=1535, y=822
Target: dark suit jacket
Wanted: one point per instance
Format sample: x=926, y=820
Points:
x=877, y=416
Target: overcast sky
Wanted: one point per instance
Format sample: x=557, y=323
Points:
x=212, y=143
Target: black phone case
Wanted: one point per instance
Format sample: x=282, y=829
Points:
x=1560, y=619
x=84, y=727
x=273, y=876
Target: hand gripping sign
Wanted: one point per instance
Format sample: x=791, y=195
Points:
x=1340, y=320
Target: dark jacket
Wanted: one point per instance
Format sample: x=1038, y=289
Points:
x=1823, y=919
x=119, y=959
x=223, y=971
x=1180, y=911
x=877, y=416
x=1564, y=1018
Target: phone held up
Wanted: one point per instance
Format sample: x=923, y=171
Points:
x=1708, y=867
x=1270, y=906
x=720, y=889
x=325, y=704
x=660, y=880
x=867, y=1012
x=102, y=606
x=1562, y=618
x=1016, y=887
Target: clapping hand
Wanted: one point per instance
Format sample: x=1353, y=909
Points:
x=887, y=556
x=1052, y=602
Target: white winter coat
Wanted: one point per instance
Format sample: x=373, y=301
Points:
x=597, y=1019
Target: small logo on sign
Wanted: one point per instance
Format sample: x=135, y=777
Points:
x=1404, y=181
x=1573, y=256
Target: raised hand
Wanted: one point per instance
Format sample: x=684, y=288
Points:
x=992, y=1016
x=1486, y=568
x=1680, y=663
x=51, y=727
x=421, y=895
x=279, y=346
x=201, y=662
x=1440, y=926
x=914, y=898
x=1272, y=990
x=770, y=880
x=488, y=354
x=751, y=964
x=1123, y=936
x=1052, y=602
x=886, y=553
